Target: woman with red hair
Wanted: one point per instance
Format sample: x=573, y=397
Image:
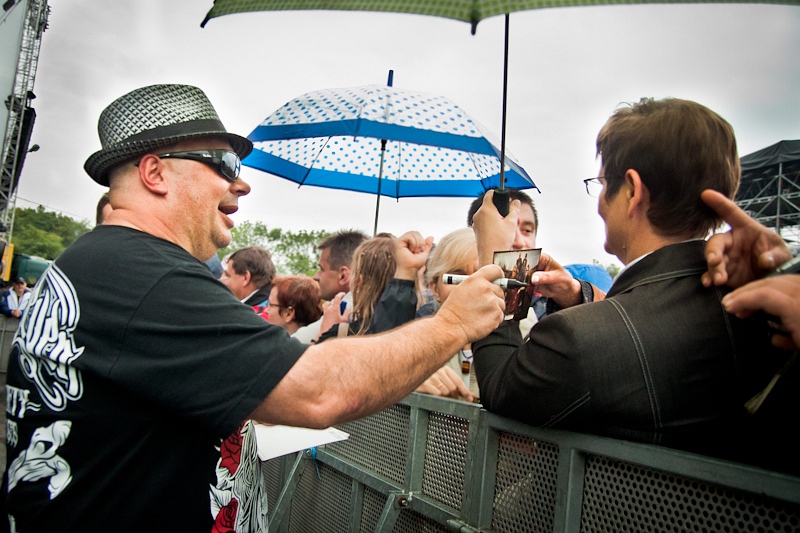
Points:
x=294, y=302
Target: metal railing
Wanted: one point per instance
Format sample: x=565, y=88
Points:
x=429, y=464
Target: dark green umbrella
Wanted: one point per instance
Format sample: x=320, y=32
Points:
x=472, y=11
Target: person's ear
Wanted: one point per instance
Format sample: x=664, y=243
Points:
x=344, y=275
x=151, y=169
x=637, y=194
x=289, y=316
x=247, y=277
x=434, y=285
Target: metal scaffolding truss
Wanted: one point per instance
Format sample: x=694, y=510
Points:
x=770, y=188
x=15, y=139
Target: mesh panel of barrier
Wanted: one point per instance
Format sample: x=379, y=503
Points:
x=445, y=457
x=619, y=496
x=320, y=504
x=378, y=442
x=525, y=485
x=411, y=522
x=271, y=470
x=407, y=522
x=371, y=511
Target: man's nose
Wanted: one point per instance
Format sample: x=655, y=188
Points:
x=519, y=241
x=241, y=187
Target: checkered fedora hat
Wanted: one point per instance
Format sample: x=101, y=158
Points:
x=151, y=117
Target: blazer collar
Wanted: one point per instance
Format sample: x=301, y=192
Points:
x=669, y=262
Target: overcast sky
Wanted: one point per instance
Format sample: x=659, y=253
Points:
x=569, y=69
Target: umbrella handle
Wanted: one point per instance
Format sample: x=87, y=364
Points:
x=501, y=199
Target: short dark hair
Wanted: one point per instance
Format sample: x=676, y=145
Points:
x=342, y=245
x=301, y=293
x=679, y=148
x=100, y=205
x=515, y=194
x=255, y=260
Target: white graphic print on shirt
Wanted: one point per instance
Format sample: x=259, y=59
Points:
x=40, y=460
x=239, y=501
x=45, y=342
x=46, y=347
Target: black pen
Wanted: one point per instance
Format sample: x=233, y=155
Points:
x=506, y=283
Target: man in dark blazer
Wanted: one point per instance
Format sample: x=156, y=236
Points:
x=249, y=274
x=659, y=360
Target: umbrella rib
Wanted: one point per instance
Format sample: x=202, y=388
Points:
x=399, y=171
x=476, y=167
x=311, y=166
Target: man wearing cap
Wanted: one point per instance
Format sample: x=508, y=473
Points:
x=14, y=300
x=128, y=400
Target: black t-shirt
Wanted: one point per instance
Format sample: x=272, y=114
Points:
x=129, y=381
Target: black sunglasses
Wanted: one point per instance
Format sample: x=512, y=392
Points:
x=225, y=162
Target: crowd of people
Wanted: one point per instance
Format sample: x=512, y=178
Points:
x=136, y=374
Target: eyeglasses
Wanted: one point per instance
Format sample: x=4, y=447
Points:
x=279, y=306
x=225, y=162
x=594, y=186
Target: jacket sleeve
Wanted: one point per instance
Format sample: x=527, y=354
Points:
x=396, y=306
x=539, y=381
x=4, y=308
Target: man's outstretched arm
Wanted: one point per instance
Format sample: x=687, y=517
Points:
x=349, y=378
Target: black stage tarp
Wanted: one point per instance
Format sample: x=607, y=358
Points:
x=781, y=152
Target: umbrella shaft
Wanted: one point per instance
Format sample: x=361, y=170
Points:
x=505, y=98
x=380, y=179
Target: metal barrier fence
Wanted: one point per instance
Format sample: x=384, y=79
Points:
x=434, y=465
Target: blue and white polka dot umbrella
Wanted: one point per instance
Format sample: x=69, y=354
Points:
x=332, y=138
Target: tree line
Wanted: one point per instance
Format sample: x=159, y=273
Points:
x=46, y=234
x=293, y=252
